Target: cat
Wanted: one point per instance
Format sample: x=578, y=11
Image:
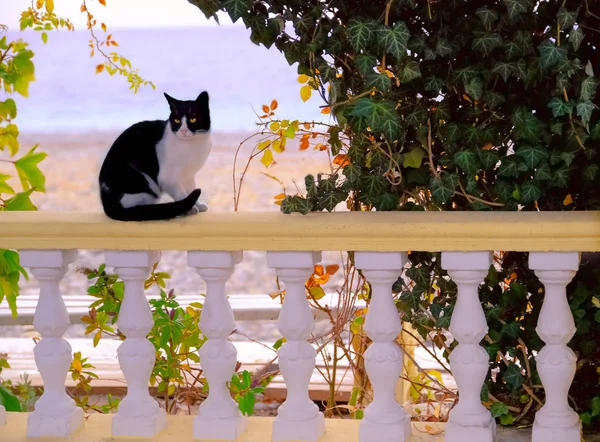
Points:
x=155, y=157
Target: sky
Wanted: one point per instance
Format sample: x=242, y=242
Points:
x=120, y=13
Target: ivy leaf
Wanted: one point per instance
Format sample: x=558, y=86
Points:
x=442, y=47
x=590, y=173
x=505, y=70
x=442, y=188
x=410, y=71
x=560, y=107
x=576, y=37
x=474, y=88
x=372, y=186
x=29, y=172
x=433, y=84
x=487, y=16
x=352, y=172
x=512, y=376
x=414, y=158
x=566, y=19
x=237, y=8
x=360, y=34
x=531, y=155
x=493, y=99
x=595, y=132
x=543, y=172
x=587, y=89
x=560, y=178
x=498, y=408
x=331, y=199
x=515, y=7
x=584, y=110
x=509, y=167
x=394, y=39
x=381, y=82
x=550, y=54
x=529, y=193
x=486, y=43
x=489, y=158
x=381, y=116
x=527, y=125
x=365, y=64
x=467, y=161
x=387, y=201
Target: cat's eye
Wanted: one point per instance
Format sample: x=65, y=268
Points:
x=177, y=121
x=192, y=120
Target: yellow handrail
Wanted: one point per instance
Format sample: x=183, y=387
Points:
x=355, y=231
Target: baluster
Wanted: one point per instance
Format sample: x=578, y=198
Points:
x=556, y=363
x=298, y=418
x=469, y=420
x=56, y=414
x=138, y=414
x=385, y=420
x=219, y=416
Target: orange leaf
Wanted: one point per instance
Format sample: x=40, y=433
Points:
x=265, y=108
x=311, y=282
x=274, y=104
x=304, y=144
x=341, y=160
x=331, y=269
x=102, y=2
x=326, y=110
x=83, y=8
x=319, y=271
x=99, y=68
x=103, y=26
x=488, y=146
x=568, y=200
x=114, y=43
x=307, y=126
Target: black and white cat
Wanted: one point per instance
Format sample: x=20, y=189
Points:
x=155, y=157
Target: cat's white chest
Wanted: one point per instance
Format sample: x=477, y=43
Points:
x=180, y=160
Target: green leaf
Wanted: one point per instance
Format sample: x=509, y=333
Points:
x=442, y=47
x=467, y=160
x=587, y=89
x=474, y=87
x=560, y=107
x=410, y=71
x=433, y=84
x=8, y=109
x=372, y=186
x=442, y=188
x=531, y=155
x=489, y=158
x=360, y=34
x=550, y=54
x=515, y=7
x=44, y=37
x=595, y=132
x=509, y=167
x=381, y=82
x=237, y=8
x=590, y=173
x=365, y=64
x=556, y=127
x=505, y=70
x=498, y=409
x=20, y=202
x=596, y=406
x=387, y=201
x=530, y=193
x=381, y=116
x=487, y=16
x=584, y=110
x=589, y=69
x=4, y=186
x=486, y=43
x=493, y=99
x=9, y=400
x=527, y=125
x=331, y=199
x=566, y=19
x=512, y=376
x=8, y=138
x=507, y=419
x=352, y=172
x=29, y=173
x=560, y=178
x=576, y=37
x=414, y=158
x=394, y=40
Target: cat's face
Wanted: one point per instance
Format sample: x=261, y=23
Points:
x=189, y=118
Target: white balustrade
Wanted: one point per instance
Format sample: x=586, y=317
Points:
x=139, y=414
x=556, y=421
x=298, y=418
x=385, y=420
x=56, y=414
x=219, y=416
x=469, y=420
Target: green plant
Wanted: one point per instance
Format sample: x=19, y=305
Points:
x=175, y=335
x=454, y=105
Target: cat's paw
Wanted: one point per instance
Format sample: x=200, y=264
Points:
x=201, y=207
x=193, y=211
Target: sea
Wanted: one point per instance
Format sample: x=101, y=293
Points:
x=69, y=97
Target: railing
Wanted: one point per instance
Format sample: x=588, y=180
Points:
x=48, y=244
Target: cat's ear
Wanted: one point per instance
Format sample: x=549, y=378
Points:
x=203, y=98
x=172, y=102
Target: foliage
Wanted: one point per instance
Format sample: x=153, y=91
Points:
x=455, y=106
x=175, y=335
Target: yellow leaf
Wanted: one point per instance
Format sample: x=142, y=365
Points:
x=274, y=126
x=305, y=92
x=83, y=8
x=39, y=4
x=278, y=146
x=171, y=389
x=76, y=364
x=264, y=144
x=103, y=26
x=274, y=104
x=267, y=158
x=266, y=109
x=99, y=68
x=596, y=302
x=50, y=6
x=326, y=110
x=279, y=196
x=568, y=200
x=285, y=123
x=303, y=78
x=316, y=293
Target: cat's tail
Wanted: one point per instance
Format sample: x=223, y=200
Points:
x=154, y=212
